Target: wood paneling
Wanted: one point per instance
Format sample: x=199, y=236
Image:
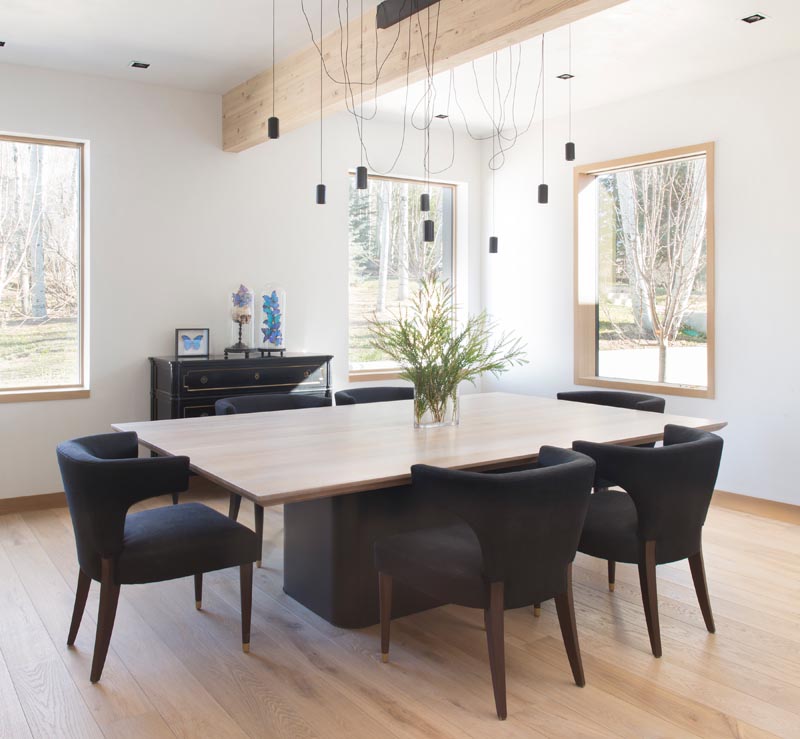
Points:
x=267, y=457
x=468, y=29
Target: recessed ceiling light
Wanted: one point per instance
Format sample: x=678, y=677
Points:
x=139, y=65
x=755, y=18
x=565, y=76
x=441, y=116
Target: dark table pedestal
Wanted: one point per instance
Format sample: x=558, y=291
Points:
x=329, y=559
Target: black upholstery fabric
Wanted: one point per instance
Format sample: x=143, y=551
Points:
x=521, y=528
x=180, y=540
x=103, y=478
x=668, y=491
x=272, y=402
x=616, y=399
x=373, y=395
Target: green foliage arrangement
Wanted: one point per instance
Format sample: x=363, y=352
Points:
x=436, y=354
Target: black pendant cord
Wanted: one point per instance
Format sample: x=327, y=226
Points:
x=493, y=241
x=543, y=189
x=273, y=124
x=428, y=228
x=569, y=149
x=321, y=194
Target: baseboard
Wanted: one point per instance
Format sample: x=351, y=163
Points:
x=199, y=488
x=757, y=506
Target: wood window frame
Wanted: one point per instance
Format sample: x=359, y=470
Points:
x=585, y=275
x=81, y=388
x=388, y=374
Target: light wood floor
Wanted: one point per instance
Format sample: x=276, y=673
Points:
x=174, y=671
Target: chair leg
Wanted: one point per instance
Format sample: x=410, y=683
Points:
x=233, y=506
x=246, y=586
x=701, y=588
x=259, y=513
x=495, y=639
x=198, y=590
x=81, y=593
x=647, y=581
x=109, y=597
x=175, y=498
x=385, y=598
x=612, y=574
x=565, y=607
x=537, y=610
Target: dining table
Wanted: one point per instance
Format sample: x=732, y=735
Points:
x=343, y=475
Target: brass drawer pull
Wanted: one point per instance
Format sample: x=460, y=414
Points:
x=204, y=380
x=257, y=376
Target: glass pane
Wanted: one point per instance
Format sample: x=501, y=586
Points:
x=39, y=265
x=651, y=292
x=388, y=255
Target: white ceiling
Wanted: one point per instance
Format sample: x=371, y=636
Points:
x=212, y=45
x=631, y=49
x=207, y=45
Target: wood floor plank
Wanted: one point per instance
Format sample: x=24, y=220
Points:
x=12, y=718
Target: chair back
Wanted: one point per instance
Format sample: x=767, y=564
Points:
x=103, y=477
x=616, y=399
x=357, y=395
x=528, y=523
x=266, y=403
x=671, y=486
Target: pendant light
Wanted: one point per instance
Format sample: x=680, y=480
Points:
x=320, y=188
x=362, y=180
x=543, y=189
x=493, y=241
x=569, y=148
x=273, y=124
x=428, y=231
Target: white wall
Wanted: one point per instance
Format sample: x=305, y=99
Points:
x=175, y=224
x=754, y=118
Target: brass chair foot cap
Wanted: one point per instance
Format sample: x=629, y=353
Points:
x=611, y=587
x=384, y=657
x=258, y=564
x=198, y=604
x=245, y=648
x=537, y=612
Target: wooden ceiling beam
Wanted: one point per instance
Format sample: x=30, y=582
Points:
x=468, y=29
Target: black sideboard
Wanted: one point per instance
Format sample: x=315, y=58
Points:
x=188, y=387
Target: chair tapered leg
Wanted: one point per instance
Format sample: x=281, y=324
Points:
x=175, y=498
x=537, y=609
x=81, y=593
x=495, y=639
x=246, y=586
x=385, y=599
x=612, y=574
x=109, y=597
x=198, y=590
x=233, y=506
x=259, y=513
x=701, y=588
x=565, y=608
x=647, y=581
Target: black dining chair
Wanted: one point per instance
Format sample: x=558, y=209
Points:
x=263, y=404
x=660, y=515
x=357, y=395
x=511, y=543
x=103, y=477
x=615, y=399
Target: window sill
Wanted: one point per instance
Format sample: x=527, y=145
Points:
x=25, y=396
x=647, y=387
x=373, y=375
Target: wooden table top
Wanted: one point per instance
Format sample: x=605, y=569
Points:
x=287, y=456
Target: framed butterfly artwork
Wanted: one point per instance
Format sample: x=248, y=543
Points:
x=191, y=342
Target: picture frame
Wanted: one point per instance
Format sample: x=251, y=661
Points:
x=192, y=342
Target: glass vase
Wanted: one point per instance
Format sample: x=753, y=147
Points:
x=272, y=318
x=432, y=410
x=240, y=305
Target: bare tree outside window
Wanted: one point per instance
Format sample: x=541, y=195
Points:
x=40, y=269
x=388, y=256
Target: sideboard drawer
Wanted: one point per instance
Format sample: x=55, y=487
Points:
x=241, y=378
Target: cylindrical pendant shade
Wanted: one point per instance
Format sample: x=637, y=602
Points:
x=427, y=231
x=361, y=178
x=569, y=151
x=320, y=194
x=493, y=245
x=425, y=202
x=543, y=191
x=273, y=127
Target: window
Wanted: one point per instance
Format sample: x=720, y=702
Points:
x=388, y=256
x=41, y=269
x=644, y=261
